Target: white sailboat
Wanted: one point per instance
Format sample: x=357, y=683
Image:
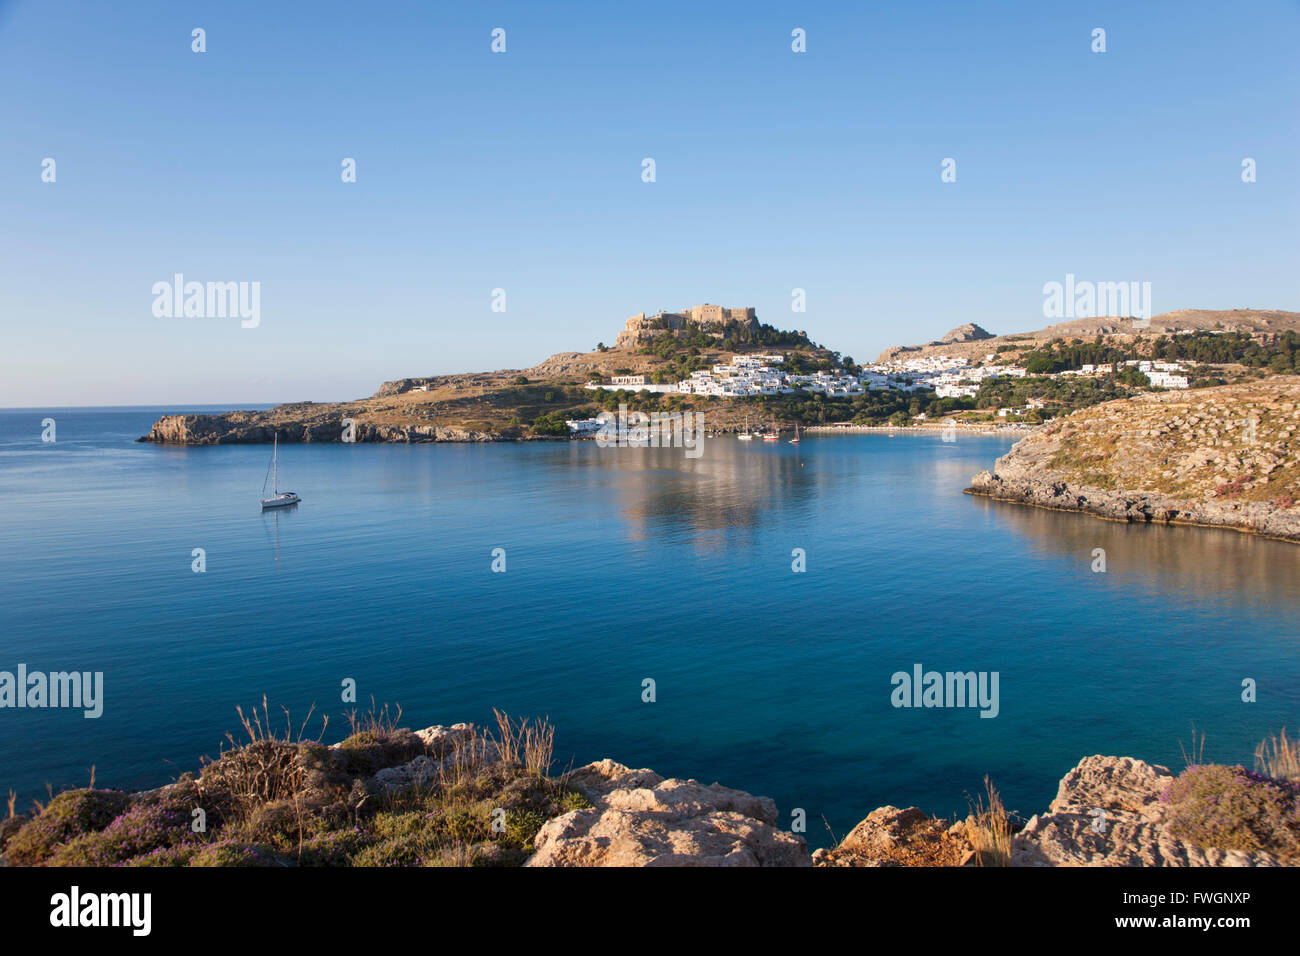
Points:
x=745, y=435
x=278, y=499
x=795, y=439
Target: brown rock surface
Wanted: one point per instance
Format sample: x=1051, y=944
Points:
x=893, y=837
x=1108, y=812
x=970, y=332
x=640, y=819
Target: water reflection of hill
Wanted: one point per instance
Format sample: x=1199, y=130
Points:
x=1208, y=564
x=727, y=489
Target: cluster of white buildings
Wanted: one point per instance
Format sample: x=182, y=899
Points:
x=744, y=376
x=949, y=377
x=1161, y=374
x=958, y=378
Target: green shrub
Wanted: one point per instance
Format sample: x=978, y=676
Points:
x=522, y=827
x=331, y=848
x=68, y=815
x=140, y=830
x=573, y=800
x=232, y=853
x=1230, y=808
x=179, y=855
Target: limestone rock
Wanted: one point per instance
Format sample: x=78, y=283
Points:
x=882, y=828
x=640, y=819
x=440, y=741
x=1108, y=812
x=597, y=779
x=890, y=836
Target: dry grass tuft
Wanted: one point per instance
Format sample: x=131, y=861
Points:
x=264, y=769
x=377, y=722
x=989, y=829
x=527, y=743
x=258, y=726
x=1195, y=755
x=1279, y=757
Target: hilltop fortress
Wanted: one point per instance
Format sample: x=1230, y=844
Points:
x=641, y=328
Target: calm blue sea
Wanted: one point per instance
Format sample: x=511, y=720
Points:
x=622, y=565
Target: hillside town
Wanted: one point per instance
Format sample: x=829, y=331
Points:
x=745, y=376
x=949, y=377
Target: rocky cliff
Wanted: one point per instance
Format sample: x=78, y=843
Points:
x=1226, y=457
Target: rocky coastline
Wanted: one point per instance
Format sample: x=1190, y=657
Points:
x=246, y=428
x=1221, y=457
x=1053, y=493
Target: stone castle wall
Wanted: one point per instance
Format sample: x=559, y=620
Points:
x=641, y=329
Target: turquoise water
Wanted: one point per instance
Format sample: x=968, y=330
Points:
x=625, y=564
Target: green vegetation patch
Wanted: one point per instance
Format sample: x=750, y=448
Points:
x=276, y=801
x=1231, y=808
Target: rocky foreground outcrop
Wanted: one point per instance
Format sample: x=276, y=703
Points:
x=640, y=819
x=460, y=796
x=1111, y=811
x=1224, y=457
x=1108, y=811
x=893, y=837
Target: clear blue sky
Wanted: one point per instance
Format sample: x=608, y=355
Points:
x=522, y=171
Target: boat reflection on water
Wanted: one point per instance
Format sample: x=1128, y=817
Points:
x=275, y=515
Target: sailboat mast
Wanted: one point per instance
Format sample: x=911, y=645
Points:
x=275, y=465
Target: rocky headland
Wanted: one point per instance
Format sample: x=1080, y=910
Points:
x=507, y=404
x=1226, y=456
